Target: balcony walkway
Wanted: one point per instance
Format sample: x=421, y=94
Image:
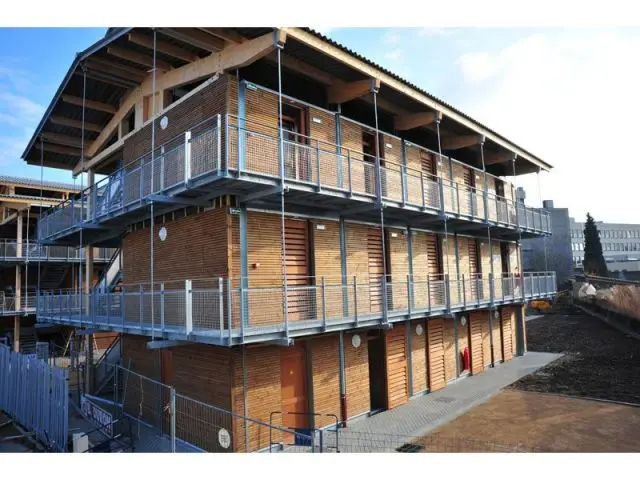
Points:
x=391, y=429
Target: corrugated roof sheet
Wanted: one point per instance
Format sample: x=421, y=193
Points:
x=36, y=183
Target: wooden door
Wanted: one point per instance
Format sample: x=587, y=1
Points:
x=435, y=353
x=507, y=335
x=475, y=343
x=435, y=269
x=397, y=371
x=475, y=286
x=376, y=268
x=293, y=381
x=429, y=172
x=298, y=162
x=299, y=298
x=469, y=179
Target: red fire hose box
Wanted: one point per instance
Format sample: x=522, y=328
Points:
x=466, y=364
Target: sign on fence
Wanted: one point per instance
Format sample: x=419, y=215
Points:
x=97, y=415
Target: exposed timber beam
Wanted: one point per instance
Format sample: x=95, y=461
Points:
x=195, y=37
x=163, y=47
x=68, y=122
x=48, y=147
x=119, y=69
x=352, y=90
x=415, y=120
x=92, y=104
x=491, y=158
x=388, y=80
x=227, y=34
x=107, y=78
x=62, y=139
x=136, y=57
x=461, y=141
x=234, y=56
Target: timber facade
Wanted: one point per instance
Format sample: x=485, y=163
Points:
x=301, y=231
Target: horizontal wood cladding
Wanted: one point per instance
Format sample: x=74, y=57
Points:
x=449, y=349
x=357, y=376
x=419, y=380
x=397, y=372
x=325, y=378
x=103, y=340
x=475, y=341
x=206, y=103
x=506, y=324
x=497, y=338
x=325, y=247
x=463, y=342
x=195, y=247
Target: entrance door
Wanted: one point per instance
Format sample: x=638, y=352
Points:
x=507, y=285
x=293, y=375
x=397, y=371
x=376, y=268
x=501, y=203
x=470, y=199
x=435, y=270
x=430, y=173
x=507, y=334
x=369, y=150
x=474, y=270
x=297, y=156
x=377, y=370
x=299, y=298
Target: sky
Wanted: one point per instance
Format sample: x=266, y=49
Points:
x=570, y=96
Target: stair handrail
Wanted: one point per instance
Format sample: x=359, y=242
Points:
x=102, y=283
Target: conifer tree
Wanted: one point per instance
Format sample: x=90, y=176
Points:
x=593, y=262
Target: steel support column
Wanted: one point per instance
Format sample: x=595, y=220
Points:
x=339, y=145
x=343, y=266
x=342, y=379
x=242, y=90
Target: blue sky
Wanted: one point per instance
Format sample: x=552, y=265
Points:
x=567, y=95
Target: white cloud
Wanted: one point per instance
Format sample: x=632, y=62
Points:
x=391, y=38
x=437, y=31
x=393, y=54
x=570, y=97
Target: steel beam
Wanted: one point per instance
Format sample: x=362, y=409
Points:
x=159, y=344
x=192, y=202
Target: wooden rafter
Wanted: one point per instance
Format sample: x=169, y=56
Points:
x=92, y=104
x=195, y=37
x=415, y=120
x=162, y=46
x=61, y=139
x=136, y=57
x=115, y=68
x=234, y=56
x=461, y=141
x=69, y=122
x=107, y=78
x=491, y=158
x=226, y=34
x=352, y=90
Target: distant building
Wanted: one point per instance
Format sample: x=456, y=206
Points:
x=553, y=253
x=620, y=245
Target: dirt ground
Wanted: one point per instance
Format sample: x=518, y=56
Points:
x=599, y=362
x=554, y=409
x=537, y=422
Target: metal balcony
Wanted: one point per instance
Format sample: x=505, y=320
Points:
x=223, y=312
x=225, y=156
x=33, y=252
x=9, y=306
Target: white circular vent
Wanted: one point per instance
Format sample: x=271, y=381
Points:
x=224, y=439
x=419, y=329
x=496, y=315
x=463, y=320
x=163, y=234
x=355, y=341
x=164, y=122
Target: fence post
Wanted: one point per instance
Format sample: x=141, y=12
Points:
x=324, y=305
x=188, y=307
x=187, y=157
x=172, y=393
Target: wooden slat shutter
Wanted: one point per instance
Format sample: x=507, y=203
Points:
x=435, y=352
x=397, y=371
x=376, y=267
x=297, y=268
x=507, y=343
x=475, y=343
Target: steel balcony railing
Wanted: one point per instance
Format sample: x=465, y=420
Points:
x=9, y=306
x=231, y=311
x=32, y=251
x=220, y=146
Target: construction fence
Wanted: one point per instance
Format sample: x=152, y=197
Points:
x=35, y=395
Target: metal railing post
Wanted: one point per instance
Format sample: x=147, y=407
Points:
x=141, y=306
x=464, y=292
x=221, y=305
x=409, y=300
x=122, y=309
x=187, y=157
x=458, y=198
x=324, y=304
x=447, y=292
x=318, y=162
x=188, y=306
x=172, y=409
x=429, y=293
x=349, y=171
x=229, y=306
x=424, y=203
x=355, y=298
x=513, y=286
x=161, y=307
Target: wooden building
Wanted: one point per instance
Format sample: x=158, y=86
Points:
x=317, y=234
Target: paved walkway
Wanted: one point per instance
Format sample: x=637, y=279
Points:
x=391, y=429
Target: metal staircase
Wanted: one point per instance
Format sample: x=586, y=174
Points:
x=105, y=366
x=112, y=274
x=53, y=276
x=28, y=340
